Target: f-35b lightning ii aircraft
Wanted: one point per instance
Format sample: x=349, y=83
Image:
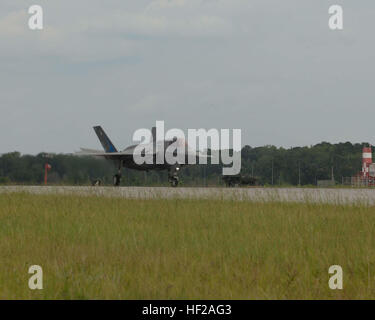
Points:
x=125, y=158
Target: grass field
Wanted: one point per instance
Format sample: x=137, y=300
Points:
x=102, y=248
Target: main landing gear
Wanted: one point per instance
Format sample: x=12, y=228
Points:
x=173, y=176
x=117, y=180
x=117, y=177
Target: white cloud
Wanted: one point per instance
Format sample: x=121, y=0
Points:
x=14, y=24
x=170, y=3
x=111, y=33
x=263, y=66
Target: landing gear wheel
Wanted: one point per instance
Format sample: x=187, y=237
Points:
x=174, y=182
x=116, y=180
x=96, y=183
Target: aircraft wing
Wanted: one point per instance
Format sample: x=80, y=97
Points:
x=199, y=154
x=85, y=151
x=122, y=155
x=107, y=155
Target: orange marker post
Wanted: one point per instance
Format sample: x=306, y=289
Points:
x=47, y=167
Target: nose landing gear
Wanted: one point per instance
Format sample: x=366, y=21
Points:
x=173, y=176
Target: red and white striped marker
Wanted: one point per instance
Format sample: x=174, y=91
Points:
x=366, y=161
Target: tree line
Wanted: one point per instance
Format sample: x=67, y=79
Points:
x=269, y=164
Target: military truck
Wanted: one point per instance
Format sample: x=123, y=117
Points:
x=240, y=180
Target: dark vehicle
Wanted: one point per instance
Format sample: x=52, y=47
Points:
x=240, y=180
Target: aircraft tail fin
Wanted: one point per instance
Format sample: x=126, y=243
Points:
x=104, y=140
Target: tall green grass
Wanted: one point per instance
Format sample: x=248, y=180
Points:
x=102, y=248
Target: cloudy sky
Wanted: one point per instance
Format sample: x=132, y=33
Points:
x=271, y=68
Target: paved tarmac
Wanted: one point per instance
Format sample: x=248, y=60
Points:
x=313, y=195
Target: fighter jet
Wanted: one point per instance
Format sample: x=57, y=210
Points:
x=125, y=158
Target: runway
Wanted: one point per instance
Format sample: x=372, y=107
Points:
x=312, y=195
